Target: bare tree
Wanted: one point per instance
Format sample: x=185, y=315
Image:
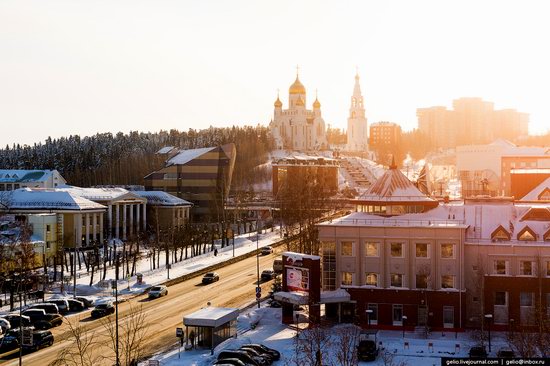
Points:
x=81, y=350
x=312, y=347
x=132, y=332
x=346, y=341
x=388, y=359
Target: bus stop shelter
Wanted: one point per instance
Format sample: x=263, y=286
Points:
x=210, y=326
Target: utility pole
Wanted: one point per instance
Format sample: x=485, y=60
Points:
x=258, y=261
x=116, y=310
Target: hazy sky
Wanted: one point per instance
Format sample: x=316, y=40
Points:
x=81, y=67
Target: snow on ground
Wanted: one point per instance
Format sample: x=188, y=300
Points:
x=272, y=333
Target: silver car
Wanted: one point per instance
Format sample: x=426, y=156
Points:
x=158, y=291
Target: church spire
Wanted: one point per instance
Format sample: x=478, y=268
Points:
x=357, y=109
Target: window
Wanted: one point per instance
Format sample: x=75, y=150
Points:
x=421, y=281
x=448, y=316
x=501, y=267
x=447, y=281
x=396, y=280
x=346, y=248
x=373, y=317
x=372, y=279
x=397, y=312
x=48, y=245
x=397, y=250
x=347, y=278
x=328, y=253
x=526, y=299
x=526, y=268
x=447, y=250
x=501, y=298
x=421, y=250
x=371, y=249
x=48, y=228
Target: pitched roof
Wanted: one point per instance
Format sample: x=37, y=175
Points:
x=538, y=192
x=161, y=198
x=48, y=199
x=185, y=156
x=100, y=194
x=24, y=176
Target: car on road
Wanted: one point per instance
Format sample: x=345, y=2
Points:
x=210, y=277
x=87, y=301
x=266, y=250
x=478, y=352
x=158, y=291
x=40, y=339
x=103, y=309
x=276, y=355
x=268, y=275
x=367, y=350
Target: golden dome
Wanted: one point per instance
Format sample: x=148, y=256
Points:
x=300, y=102
x=278, y=103
x=316, y=104
x=297, y=87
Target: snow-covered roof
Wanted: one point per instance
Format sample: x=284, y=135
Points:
x=48, y=199
x=394, y=186
x=211, y=317
x=25, y=176
x=185, y=156
x=297, y=298
x=339, y=295
x=100, y=194
x=166, y=150
x=537, y=192
x=161, y=198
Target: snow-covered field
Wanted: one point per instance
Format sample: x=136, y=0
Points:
x=272, y=333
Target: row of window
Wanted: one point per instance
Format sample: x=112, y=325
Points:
x=397, y=280
x=397, y=250
x=526, y=268
x=397, y=314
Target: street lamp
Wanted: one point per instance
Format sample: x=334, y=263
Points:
x=369, y=312
x=489, y=317
x=404, y=319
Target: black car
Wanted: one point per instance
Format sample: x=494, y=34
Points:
x=75, y=305
x=42, y=320
x=367, y=350
x=15, y=319
x=276, y=355
x=103, y=309
x=505, y=353
x=210, y=277
x=240, y=355
x=267, y=275
x=87, y=301
x=267, y=358
x=40, y=339
x=478, y=352
x=230, y=362
x=9, y=343
x=48, y=307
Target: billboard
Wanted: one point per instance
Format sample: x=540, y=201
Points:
x=297, y=279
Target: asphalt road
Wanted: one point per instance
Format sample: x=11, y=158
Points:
x=236, y=288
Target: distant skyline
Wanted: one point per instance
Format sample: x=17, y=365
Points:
x=82, y=67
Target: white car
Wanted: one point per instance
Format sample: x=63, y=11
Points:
x=157, y=291
x=4, y=325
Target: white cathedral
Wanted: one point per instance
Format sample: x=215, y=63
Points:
x=301, y=129
x=298, y=128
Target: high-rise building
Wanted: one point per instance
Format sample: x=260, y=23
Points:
x=298, y=128
x=472, y=121
x=384, y=135
x=357, y=122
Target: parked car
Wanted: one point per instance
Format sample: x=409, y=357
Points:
x=62, y=305
x=276, y=355
x=278, y=265
x=210, y=277
x=5, y=325
x=48, y=307
x=267, y=358
x=367, y=350
x=87, y=301
x=268, y=275
x=478, y=352
x=9, y=343
x=240, y=355
x=158, y=291
x=505, y=352
x=40, y=339
x=15, y=319
x=75, y=305
x=42, y=320
x=230, y=362
x=103, y=309
x=266, y=250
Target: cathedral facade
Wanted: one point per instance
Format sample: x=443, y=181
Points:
x=357, y=122
x=298, y=128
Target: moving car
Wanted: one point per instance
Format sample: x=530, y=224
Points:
x=367, y=350
x=267, y=275
x=210, y=277
x=478, y=352
x=103, y=309
x=266, y=250
x=276, y=355
x=157, y=291
x=278, y=265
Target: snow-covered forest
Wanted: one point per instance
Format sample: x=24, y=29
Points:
x=126, y=158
